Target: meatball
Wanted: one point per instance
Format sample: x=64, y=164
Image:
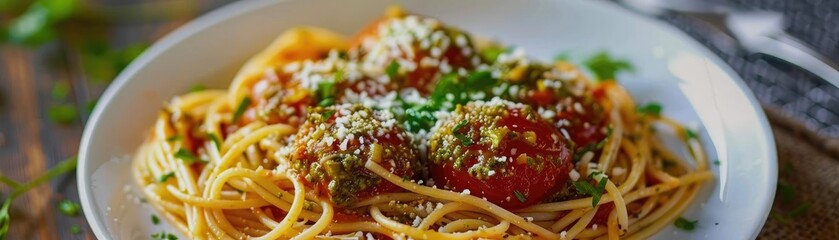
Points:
x=499, y=150
x=415, y=51
x=559, y=93
x=331, y=147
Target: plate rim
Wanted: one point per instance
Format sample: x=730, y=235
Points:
x=194, y=26
x=223, y=13
x=763, y=122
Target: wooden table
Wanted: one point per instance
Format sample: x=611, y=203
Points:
x=30, y=143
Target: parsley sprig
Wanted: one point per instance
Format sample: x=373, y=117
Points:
x=19, y=189
x=605, y=67
x=451, y=90
x=595, y=191
x=185, y=155
x=463, y=138
x=243, y=105
x=652, y=109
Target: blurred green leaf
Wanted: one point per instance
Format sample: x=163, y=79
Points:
x=5, y=218
x=75, y=229
x=69, y=208
x=102, y=64
x=35, y=26
x=63, y=114
x=31, y=28
x=60, y=91
x=58, y=9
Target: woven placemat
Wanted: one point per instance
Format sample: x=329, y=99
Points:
x=806, y=205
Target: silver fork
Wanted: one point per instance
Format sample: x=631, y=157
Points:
x=755, y=31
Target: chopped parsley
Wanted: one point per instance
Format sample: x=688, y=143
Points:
x=392, y=69
x=326, y=89
x=326, y=102
x=652, y=109
x=691, y=134
x=491, y=53
x=326, y=115
x=420, y=117
x=174, y=138
x=684, y=224
x=185, y=155
x=246, y=101
x=451, y=90
x=463, y=138
x=154, y=219
x=166, y=176
x=69, y=208
x=216, y=140
x=164, y=236
x=454, y=90
x=716, y=162
x=596, y=192
x=519, y=196
x=605, y=68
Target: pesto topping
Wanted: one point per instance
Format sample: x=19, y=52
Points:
x=332, y=146
x=480, y=124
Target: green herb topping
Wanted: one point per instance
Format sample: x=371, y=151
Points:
x=166, y=176
x=216, y=140
x=392, y=69
x=685, y=224
x=185, y=155
x=596, y=192
x=605, y=68
x=653, y=109
x=463, y=138
x=246, y=101
x=519, y=196
x=154, y=219
x=174, y=138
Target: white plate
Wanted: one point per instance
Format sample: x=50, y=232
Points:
x=693, y=84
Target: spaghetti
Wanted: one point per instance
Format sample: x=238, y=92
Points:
x=411, y=130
